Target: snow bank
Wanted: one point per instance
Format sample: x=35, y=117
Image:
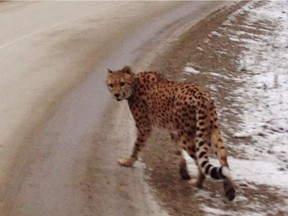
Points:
x=264, y=58
x=263, y=98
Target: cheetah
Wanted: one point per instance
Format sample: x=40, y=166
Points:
x=186, y=111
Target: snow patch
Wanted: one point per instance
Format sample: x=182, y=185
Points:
x=264, y=58
x=217, y=212
x=263, y=134
x=215, y=33
x=200, y=49
x=258, y=172
x=189, y=69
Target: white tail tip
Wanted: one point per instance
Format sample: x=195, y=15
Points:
x=226, y=172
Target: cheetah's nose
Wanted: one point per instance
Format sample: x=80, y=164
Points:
x=116, y=95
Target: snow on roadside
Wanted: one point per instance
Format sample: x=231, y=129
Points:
x=265, y=58
x=263, y=99
x=189, y=69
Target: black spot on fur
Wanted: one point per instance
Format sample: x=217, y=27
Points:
x=202, y=154
x=204, y=163
x=203, y=130
x=201, y=143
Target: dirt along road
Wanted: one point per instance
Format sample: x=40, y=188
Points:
x=60, y=133
x=239, y=54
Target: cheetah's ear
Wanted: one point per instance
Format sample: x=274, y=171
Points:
x=127, y=69
x=109, y=71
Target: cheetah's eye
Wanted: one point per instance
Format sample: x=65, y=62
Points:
x=122, y=83
x=110, y=85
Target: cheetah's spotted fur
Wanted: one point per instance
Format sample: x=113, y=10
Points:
x=184, y=109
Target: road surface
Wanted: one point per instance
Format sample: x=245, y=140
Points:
x=61, y=134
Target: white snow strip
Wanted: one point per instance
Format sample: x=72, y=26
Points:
x=215, y=33
x=252, y=171
x=214, y=211
x=189, y=69
x=258, y=172
x=219, y=75
x=200, y=49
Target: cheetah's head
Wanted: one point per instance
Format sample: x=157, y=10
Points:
x=120, y=83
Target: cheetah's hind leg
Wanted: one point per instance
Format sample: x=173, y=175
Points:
x=182, y=162
x=199, y=180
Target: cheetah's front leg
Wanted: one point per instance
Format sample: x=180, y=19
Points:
x=143, y=133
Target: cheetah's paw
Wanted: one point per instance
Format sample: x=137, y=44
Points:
x=195, y=183
x=126, y=162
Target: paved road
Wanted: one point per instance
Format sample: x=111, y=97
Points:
x=59, y=138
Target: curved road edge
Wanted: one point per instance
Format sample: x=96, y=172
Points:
x=57, y=168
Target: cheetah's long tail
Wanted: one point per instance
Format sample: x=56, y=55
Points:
x=222, y=172
x=202, y=127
